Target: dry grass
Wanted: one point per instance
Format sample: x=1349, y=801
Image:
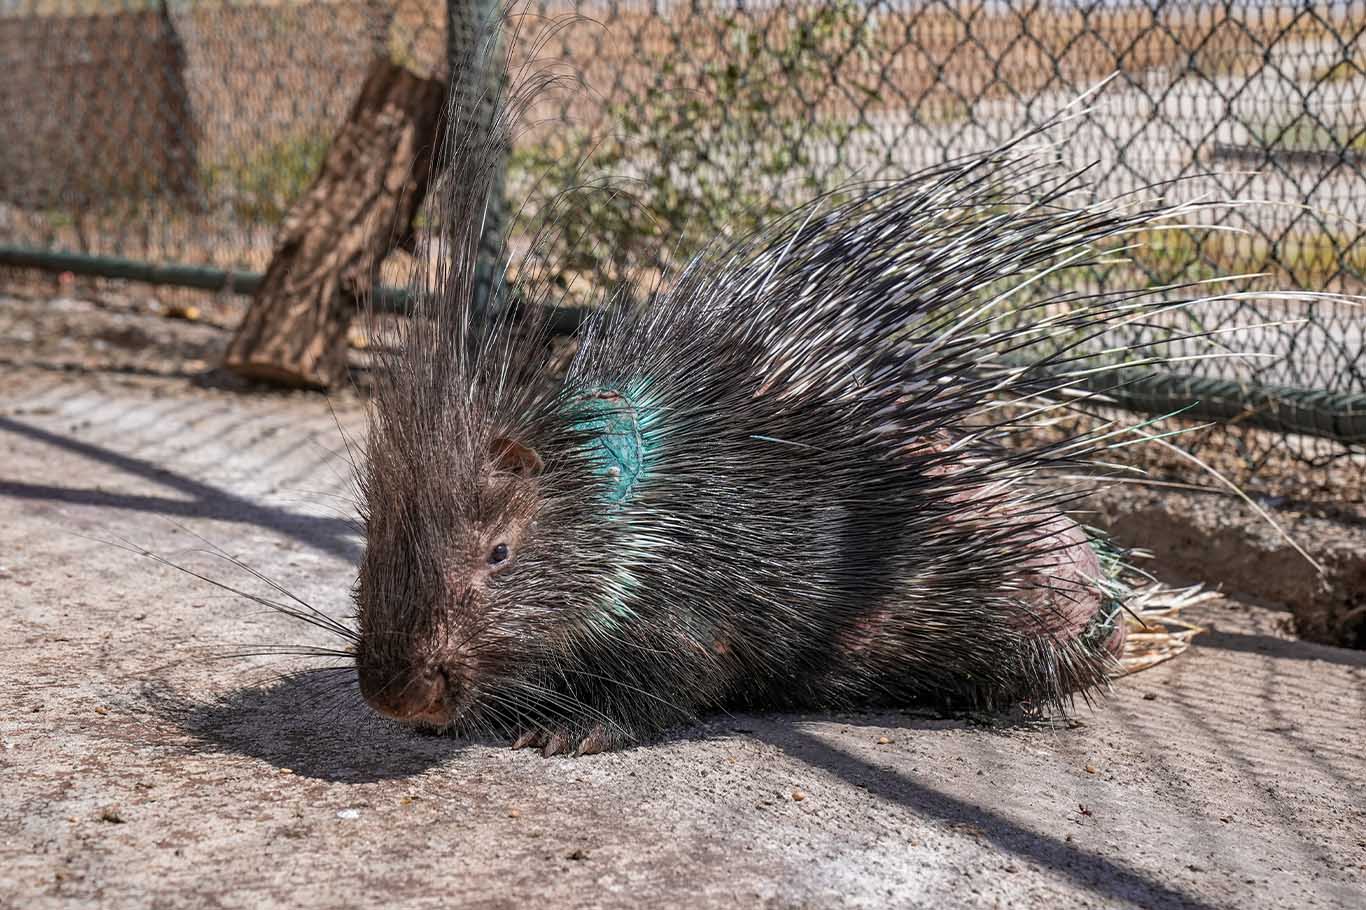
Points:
x=1156, y=631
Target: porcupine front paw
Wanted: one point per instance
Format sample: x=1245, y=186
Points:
x=560, y=742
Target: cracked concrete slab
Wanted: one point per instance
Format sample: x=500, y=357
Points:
x=138, y=768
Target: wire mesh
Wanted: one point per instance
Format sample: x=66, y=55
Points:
x=181, y=131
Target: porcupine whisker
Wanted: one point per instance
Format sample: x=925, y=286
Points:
x=338, y=677
x=309, y=613
x=624, y=685
x=535, y=700
x=561, y=705
x=333, y=455
x=312, y=684
x=315, y=618
x=331, y=702
x=346, y=516
x=349, y=498
x=280, y=651
x=347, y=445
x=334, y=679
x=311, y=616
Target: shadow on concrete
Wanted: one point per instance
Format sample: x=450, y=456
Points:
x=334, y=535
x=66, y=369
x=1098, y=874
x=1282, y=648
x=313, y=723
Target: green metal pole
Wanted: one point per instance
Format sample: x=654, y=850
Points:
x=1282, y=409
x=186, y=276
x=561, y=320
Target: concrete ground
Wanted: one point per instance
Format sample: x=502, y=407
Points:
x=138, y=770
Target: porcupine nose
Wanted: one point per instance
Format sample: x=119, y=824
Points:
x=419, y=696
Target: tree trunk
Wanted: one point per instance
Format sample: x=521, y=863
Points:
x=331, y=243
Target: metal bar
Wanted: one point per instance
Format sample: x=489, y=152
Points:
x=1282, y=409
x=186, y=276
x=387, y=299
x=474, y=40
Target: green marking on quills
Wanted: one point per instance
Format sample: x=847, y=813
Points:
x=615, y=448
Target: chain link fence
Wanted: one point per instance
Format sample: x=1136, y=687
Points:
x=181, y=131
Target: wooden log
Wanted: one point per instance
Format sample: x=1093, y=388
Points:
x=332, y=242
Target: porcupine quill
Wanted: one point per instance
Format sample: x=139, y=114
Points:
x=782, y=481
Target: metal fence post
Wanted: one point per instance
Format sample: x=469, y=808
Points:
x=470, y=40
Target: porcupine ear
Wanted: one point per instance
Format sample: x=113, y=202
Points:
x=512, y=457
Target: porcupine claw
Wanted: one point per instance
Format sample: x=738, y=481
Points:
x=596, y=741
x=531, y=739
x=553, y=743
x=556, y=744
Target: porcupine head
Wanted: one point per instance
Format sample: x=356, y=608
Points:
x=757, y=490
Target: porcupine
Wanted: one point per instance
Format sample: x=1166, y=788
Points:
x=780, y=482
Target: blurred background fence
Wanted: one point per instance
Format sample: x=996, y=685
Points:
x=179, y=133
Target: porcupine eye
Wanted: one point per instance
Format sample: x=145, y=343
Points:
x=498, y=555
